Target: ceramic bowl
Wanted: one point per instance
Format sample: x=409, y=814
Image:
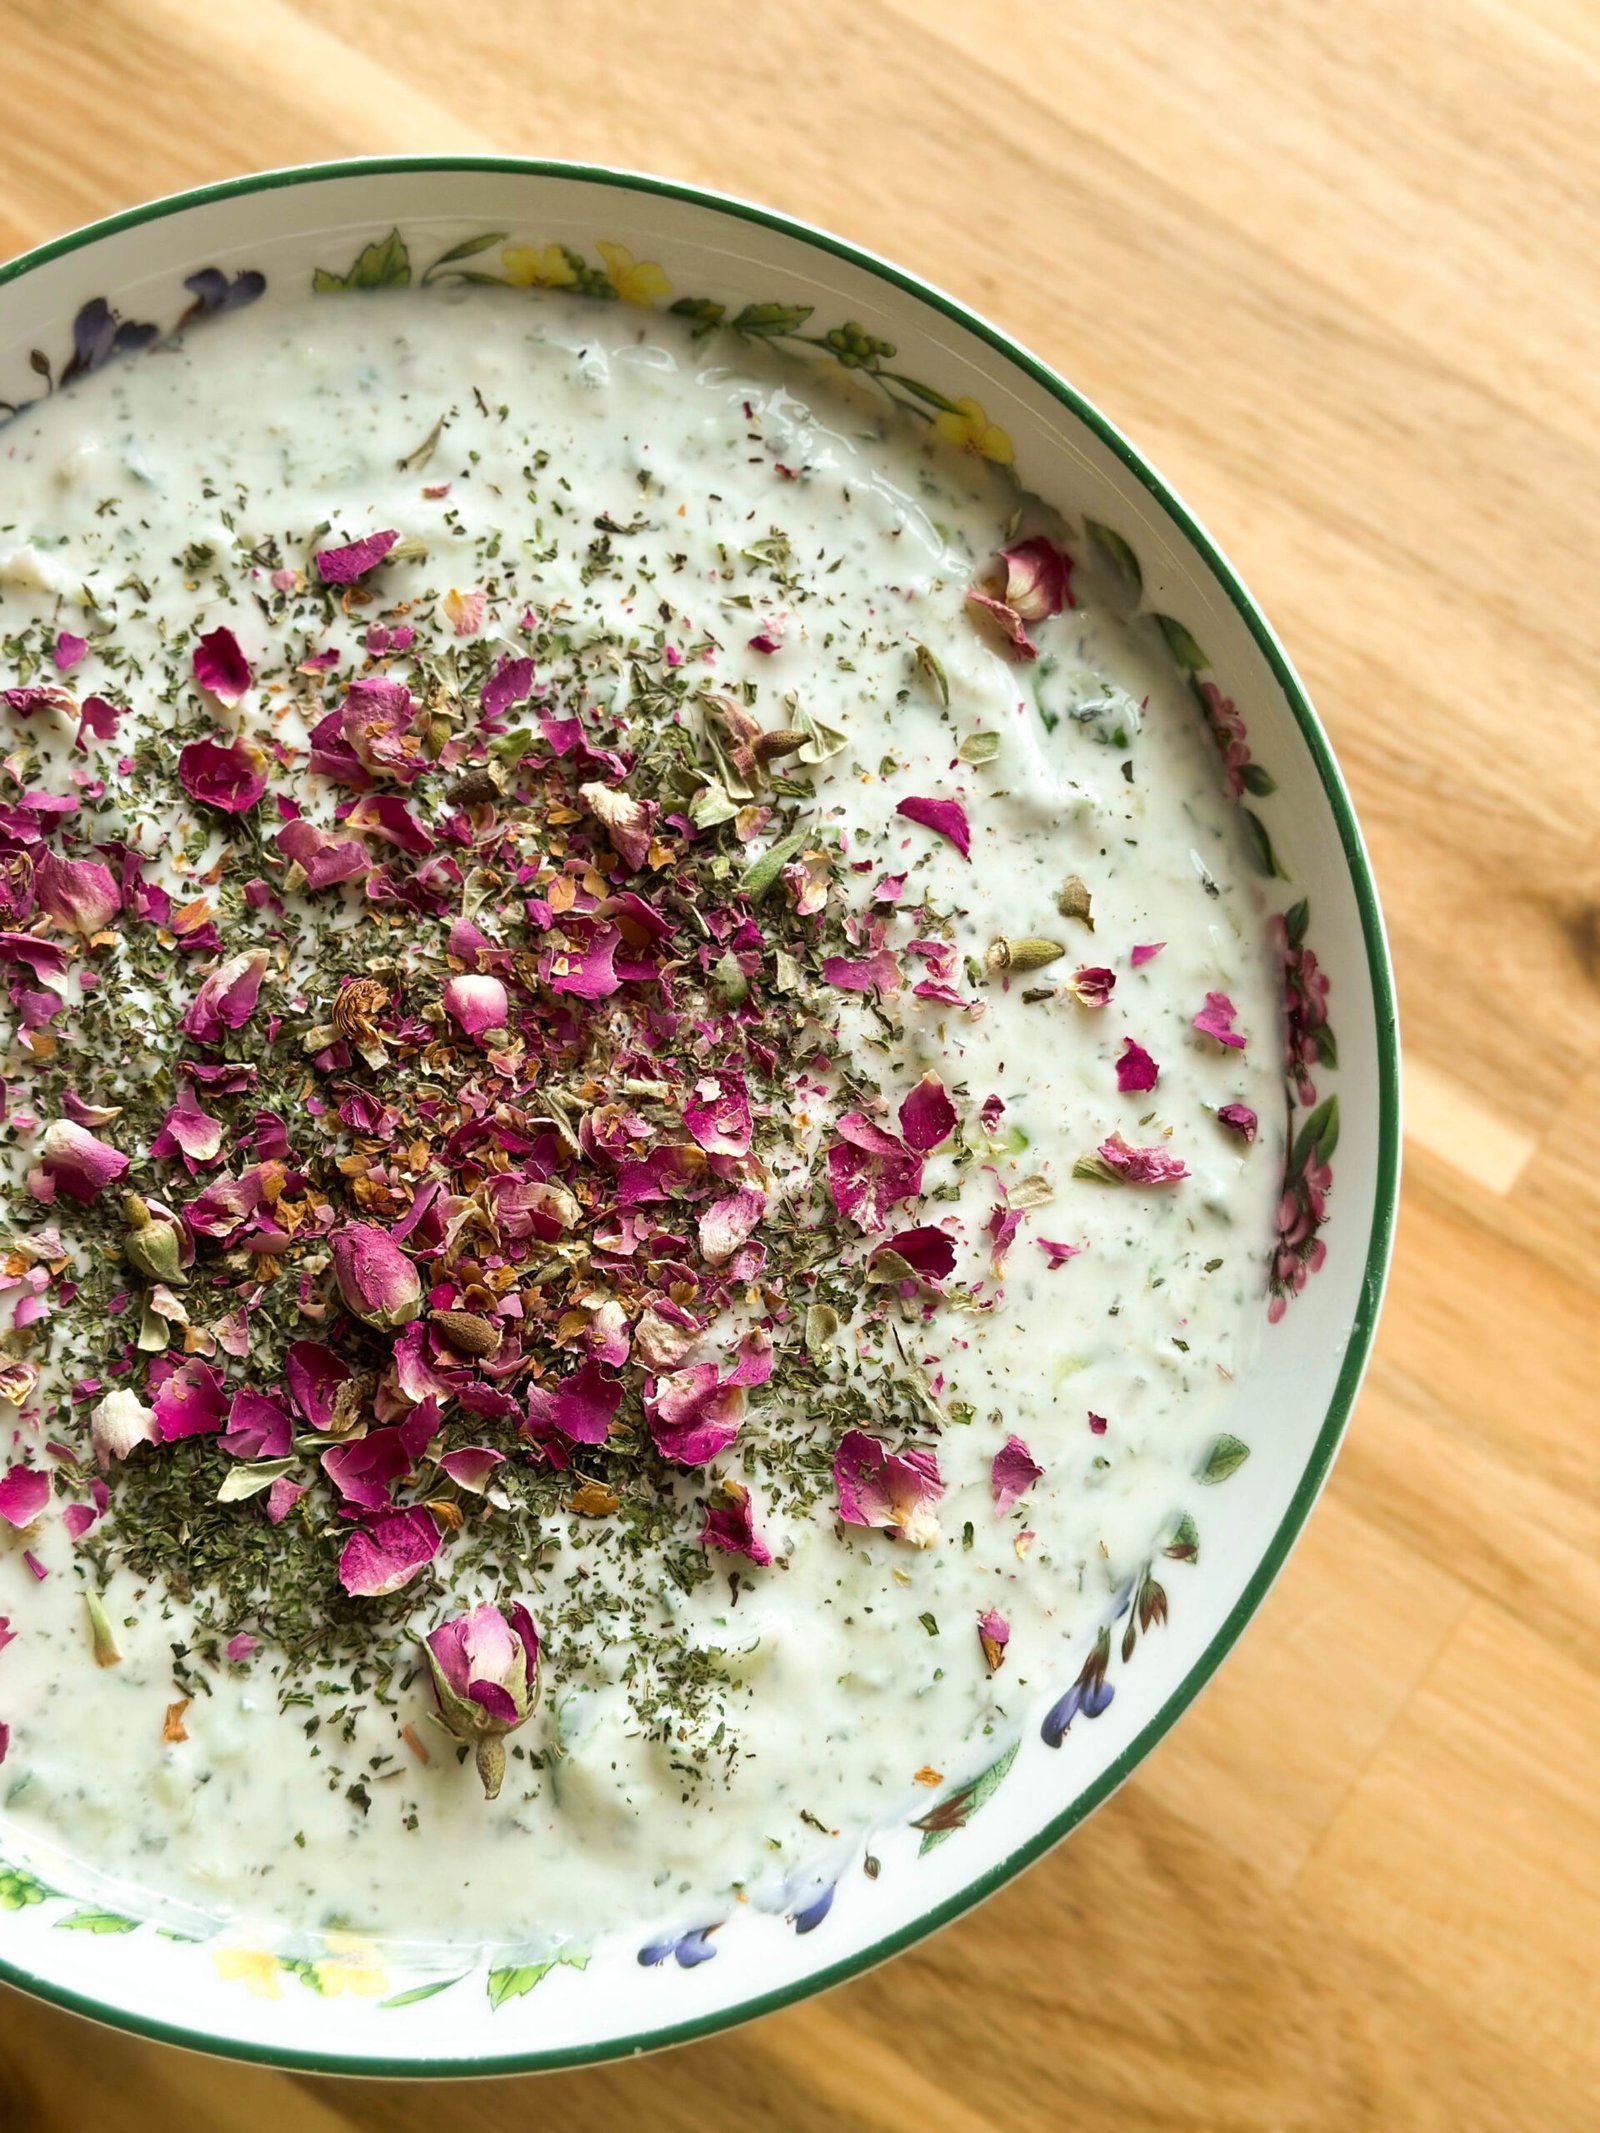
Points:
x=324, y=2001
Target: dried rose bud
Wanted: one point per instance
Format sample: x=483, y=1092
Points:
x=378, y=1282
x=485, y=1668
x=152, y=1244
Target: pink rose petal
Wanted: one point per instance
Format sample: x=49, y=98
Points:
x=24, y=1492
x=717, y=1114
x=230, y=779
x=68, y=651
x=929, y=1253
x=878, y=972
x=221, y=667
x=476, y=1004
x=1239, y=1118
x=894, y=1491
x=948, y=817
x=380, y=1558
x=345, y=564
x=869, y=1171
x=927, y=1116
x=470, y=1466
x=728, y=1525
x=725, y=1225
x=1215, y=1019
x=1012, y=1473
x=79, y=893
x=1057, y=1254
x=1141, y=1166
x=189, y=1403
x=227, y=999
x=74, y=1162
x=994, y=1634
x=1146, y=953
x=1136, y=1070
x=582, y=1407
x=1092, y=986
x=240, y=1647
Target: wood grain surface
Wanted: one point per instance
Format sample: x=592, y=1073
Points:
x=1336, y=270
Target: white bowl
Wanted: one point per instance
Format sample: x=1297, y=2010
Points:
x=310, y=2001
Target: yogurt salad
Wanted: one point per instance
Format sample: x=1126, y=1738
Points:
x=643, y=1117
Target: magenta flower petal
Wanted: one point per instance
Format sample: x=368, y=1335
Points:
x=994, y=1634
x=323, y=858
x=314, y=1374
x=878, y=972
x=586, y=972
x=240, y=1647
x=24, y=1492
x=927, y=1116
x=380, y=1558
x=476, y=1004
x=345, y=564
x=1215, y=1019
x=896, y=1491
x=1146, y=952
x=73, y=1161
x=1093, y=985
x=948, y=817
x=79, y=893
x=930, y=1253
x=508, y=685
x=470, y=1466
x=230, y=779
x=189, y=1403
x=1012, y=1473
x=694, y=1414
x=625, y=820
x=1136, y=1070
x=1239, y=1118
x=725, y=1225
x=1057, y=1254
x=1006, y=620
x=259, y=1427
x=869, y=1171
x=282, y=1497
x=227, y=999
x=581, y=1408
x=221, y=667
x=728, y=1525
x=188, y=1131
x=717, y=1114
x=68, y=651
x=1141, y=1166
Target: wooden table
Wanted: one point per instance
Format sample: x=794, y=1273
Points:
x=1335, y=269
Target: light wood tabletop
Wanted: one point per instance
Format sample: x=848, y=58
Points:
x=1337, y=270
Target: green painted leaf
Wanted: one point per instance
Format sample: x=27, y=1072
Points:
x=1258, y=845
x=956, y=1810
x=1181, y=645
x=419, y=1992
x=926, y=393
x=1327, y=1047
x=383, y=264
x=770, y=319
x=97, y=1922
x=1116, y=552
x=1318, y=1137
x=511, y=1984
x=468, y=248
x=1255, y=779
x=1184, y=1546
x=702, y=310
x=1226, y=1456
x=1295, y=921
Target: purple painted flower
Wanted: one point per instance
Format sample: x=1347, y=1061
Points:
x=1090, y=1694
x=686, y=1949
x=214, y=293
x=485, y=1669
x=98, y=334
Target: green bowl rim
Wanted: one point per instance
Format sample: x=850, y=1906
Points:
x=1386, y=1183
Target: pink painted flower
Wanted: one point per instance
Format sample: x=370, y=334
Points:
x=379, y=1284
x=226, y=999
x=730, y=1527
x=625, y=820
x=927, y=1116
x=476, y=1004
x=381, y=1557
x=947, y=817
x=581, y=1408
x=1141, y=1166
x=994, y=1634
x=725, y=1225
x=717, y=1114
x=1092, y=986
x=221, y=667
x=895, y=1491
x=323, y=858
x=1136, y=1070
x=189, y=1403
x=345, y=564
x=1012, y=1473
x=1146, y=952
x=878, y=972
x=1240, y=1119
x=77, y=893
x=74, y=1162
x=1215, y=1019
x=230, y=779
x=1228, y=731
x=24, y=1492
x=869, y=1171
x=1057, y=1254
x=485, y=1669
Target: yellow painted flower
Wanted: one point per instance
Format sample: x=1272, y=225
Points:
x=252, y=1967
x=537, y=266
x=969, y=429
x=636, y=281
x=350, y=1967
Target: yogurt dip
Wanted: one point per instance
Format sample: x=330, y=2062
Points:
x=638, y=1045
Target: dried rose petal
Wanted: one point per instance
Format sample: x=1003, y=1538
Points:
x=725, y=1225
x=188, y=1131
x=895, y=1491
x=240, y=1647
x=323, y=858
x=380, y=1558
x=1057, y=1254
x=930, y=1253
x=1215, y=1019
x=1092, y=986
x=230, y=779
x=73, y=1161
x=1136, y=1070
x=927, y=1116
x=878, y=972
x=24, y=1492
x=78, y=893
x=729, y=1526
x=1239, y=1118
x=948, y=817
x=587, y=972
x=221, y=667
x=1141, y=1166
x=869, y=1170
x=1097, y=1424
x=314, y=1374
x=1028, y=582
x=694, y=1414
x=118, y=1423
x=227, y=999
x=718, y=1113
x=994, y=1634
x=1146, y=953
x=476, y=1004
x=582, y=1407
x=508, y=685
x=345, y=564
x=259, y=1427
x=470, y=1466
x=1012, y=1473
x=190, y=1403
x=625, y=820
x=68, y=651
